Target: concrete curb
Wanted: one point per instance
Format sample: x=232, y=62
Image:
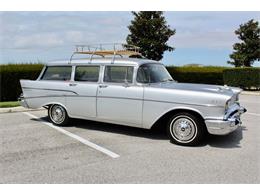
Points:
x=250, y=93
x=18, y=109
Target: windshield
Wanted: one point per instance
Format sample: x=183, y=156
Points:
x=153, y=73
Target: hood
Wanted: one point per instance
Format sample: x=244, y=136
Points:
x=214, y=89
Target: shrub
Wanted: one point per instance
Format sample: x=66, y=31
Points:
x=11, y=74
x=245, y=78
x=196, y=74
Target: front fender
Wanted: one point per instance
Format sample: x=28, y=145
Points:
x=153, y=111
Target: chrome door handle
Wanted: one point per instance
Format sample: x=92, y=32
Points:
x=103, y=86
x=72, y=84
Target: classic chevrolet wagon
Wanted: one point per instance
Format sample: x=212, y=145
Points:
x=134, y=92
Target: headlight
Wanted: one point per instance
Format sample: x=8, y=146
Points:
x=227, y=105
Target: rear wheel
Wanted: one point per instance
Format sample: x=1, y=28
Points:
x=186, y=129
x=58, y=115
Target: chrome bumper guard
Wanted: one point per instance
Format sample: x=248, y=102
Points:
x=22, y=101
x=230, y=122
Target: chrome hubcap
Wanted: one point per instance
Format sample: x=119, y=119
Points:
x=57, y=114
x=183, y=129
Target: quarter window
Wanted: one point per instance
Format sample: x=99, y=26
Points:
x=119, y=74
x=60, y=73
x=87, y=73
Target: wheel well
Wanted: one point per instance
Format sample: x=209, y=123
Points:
x=163, y=120
x=47, y=106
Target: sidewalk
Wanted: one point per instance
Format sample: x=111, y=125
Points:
x=18, y=109
x=250, y=93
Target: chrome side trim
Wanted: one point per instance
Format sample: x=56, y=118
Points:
x=47, y=96
x=50, y=89
x=207, y=105
x=151, y=100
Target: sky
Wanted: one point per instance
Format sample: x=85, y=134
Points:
x=201, y=37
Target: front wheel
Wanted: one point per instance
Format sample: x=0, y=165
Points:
x=58, y=115
x=186, y=129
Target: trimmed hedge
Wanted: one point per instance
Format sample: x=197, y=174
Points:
x=190, y=74
x=245, y=78
x=11, y=74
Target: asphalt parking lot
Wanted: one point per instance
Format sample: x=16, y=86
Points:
x=33, y=151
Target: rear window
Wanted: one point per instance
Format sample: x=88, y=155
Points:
x=87, y=73
x=59, y=73
x=118, y=74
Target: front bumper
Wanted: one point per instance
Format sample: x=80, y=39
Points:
x=22, y=101
x=230, y=122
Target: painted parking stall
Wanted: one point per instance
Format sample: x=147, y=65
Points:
x=80, y=139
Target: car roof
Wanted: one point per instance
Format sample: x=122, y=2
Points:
x=106, y=61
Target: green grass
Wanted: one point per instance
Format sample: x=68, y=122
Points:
x=9, y=104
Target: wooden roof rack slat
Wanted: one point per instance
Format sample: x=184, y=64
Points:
x=118, y=49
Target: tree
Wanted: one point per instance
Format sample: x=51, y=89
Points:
x=150, y=32
x=248, y=50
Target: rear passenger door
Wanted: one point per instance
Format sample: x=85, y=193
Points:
x=119, y=99
x=84, y=84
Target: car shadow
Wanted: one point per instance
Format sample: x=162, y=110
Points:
x=120, y=129
x=231, y=140
x=88, y=125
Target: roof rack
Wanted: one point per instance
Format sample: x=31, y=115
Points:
x=104, y=50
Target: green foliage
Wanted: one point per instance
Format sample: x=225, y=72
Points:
x=196, y=74
x=11, y=74
x=9, y=104
x=150, y=32
x=248, y=50
x=245, y=78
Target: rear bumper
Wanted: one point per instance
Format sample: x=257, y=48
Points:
x=230, y=122
x=22, y=102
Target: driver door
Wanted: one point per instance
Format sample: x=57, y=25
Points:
x=119, y=99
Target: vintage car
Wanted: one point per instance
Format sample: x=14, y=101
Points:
x=133, y=92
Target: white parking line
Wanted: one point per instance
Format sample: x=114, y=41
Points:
x=80, y=139
x=250, y=113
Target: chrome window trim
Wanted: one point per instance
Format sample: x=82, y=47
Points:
x=41, y=73
x=46, y=68
x=119, y=83
x=89, y=82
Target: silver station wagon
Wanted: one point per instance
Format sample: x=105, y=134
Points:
x=117, y=86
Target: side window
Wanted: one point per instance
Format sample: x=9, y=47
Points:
x=87, y=73
x=59, y=73
x=119, y=74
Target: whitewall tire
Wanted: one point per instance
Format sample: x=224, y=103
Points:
x=58, y=115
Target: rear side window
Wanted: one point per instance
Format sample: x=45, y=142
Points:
x=118, y=74
x=87, y=73
x=59, y=73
